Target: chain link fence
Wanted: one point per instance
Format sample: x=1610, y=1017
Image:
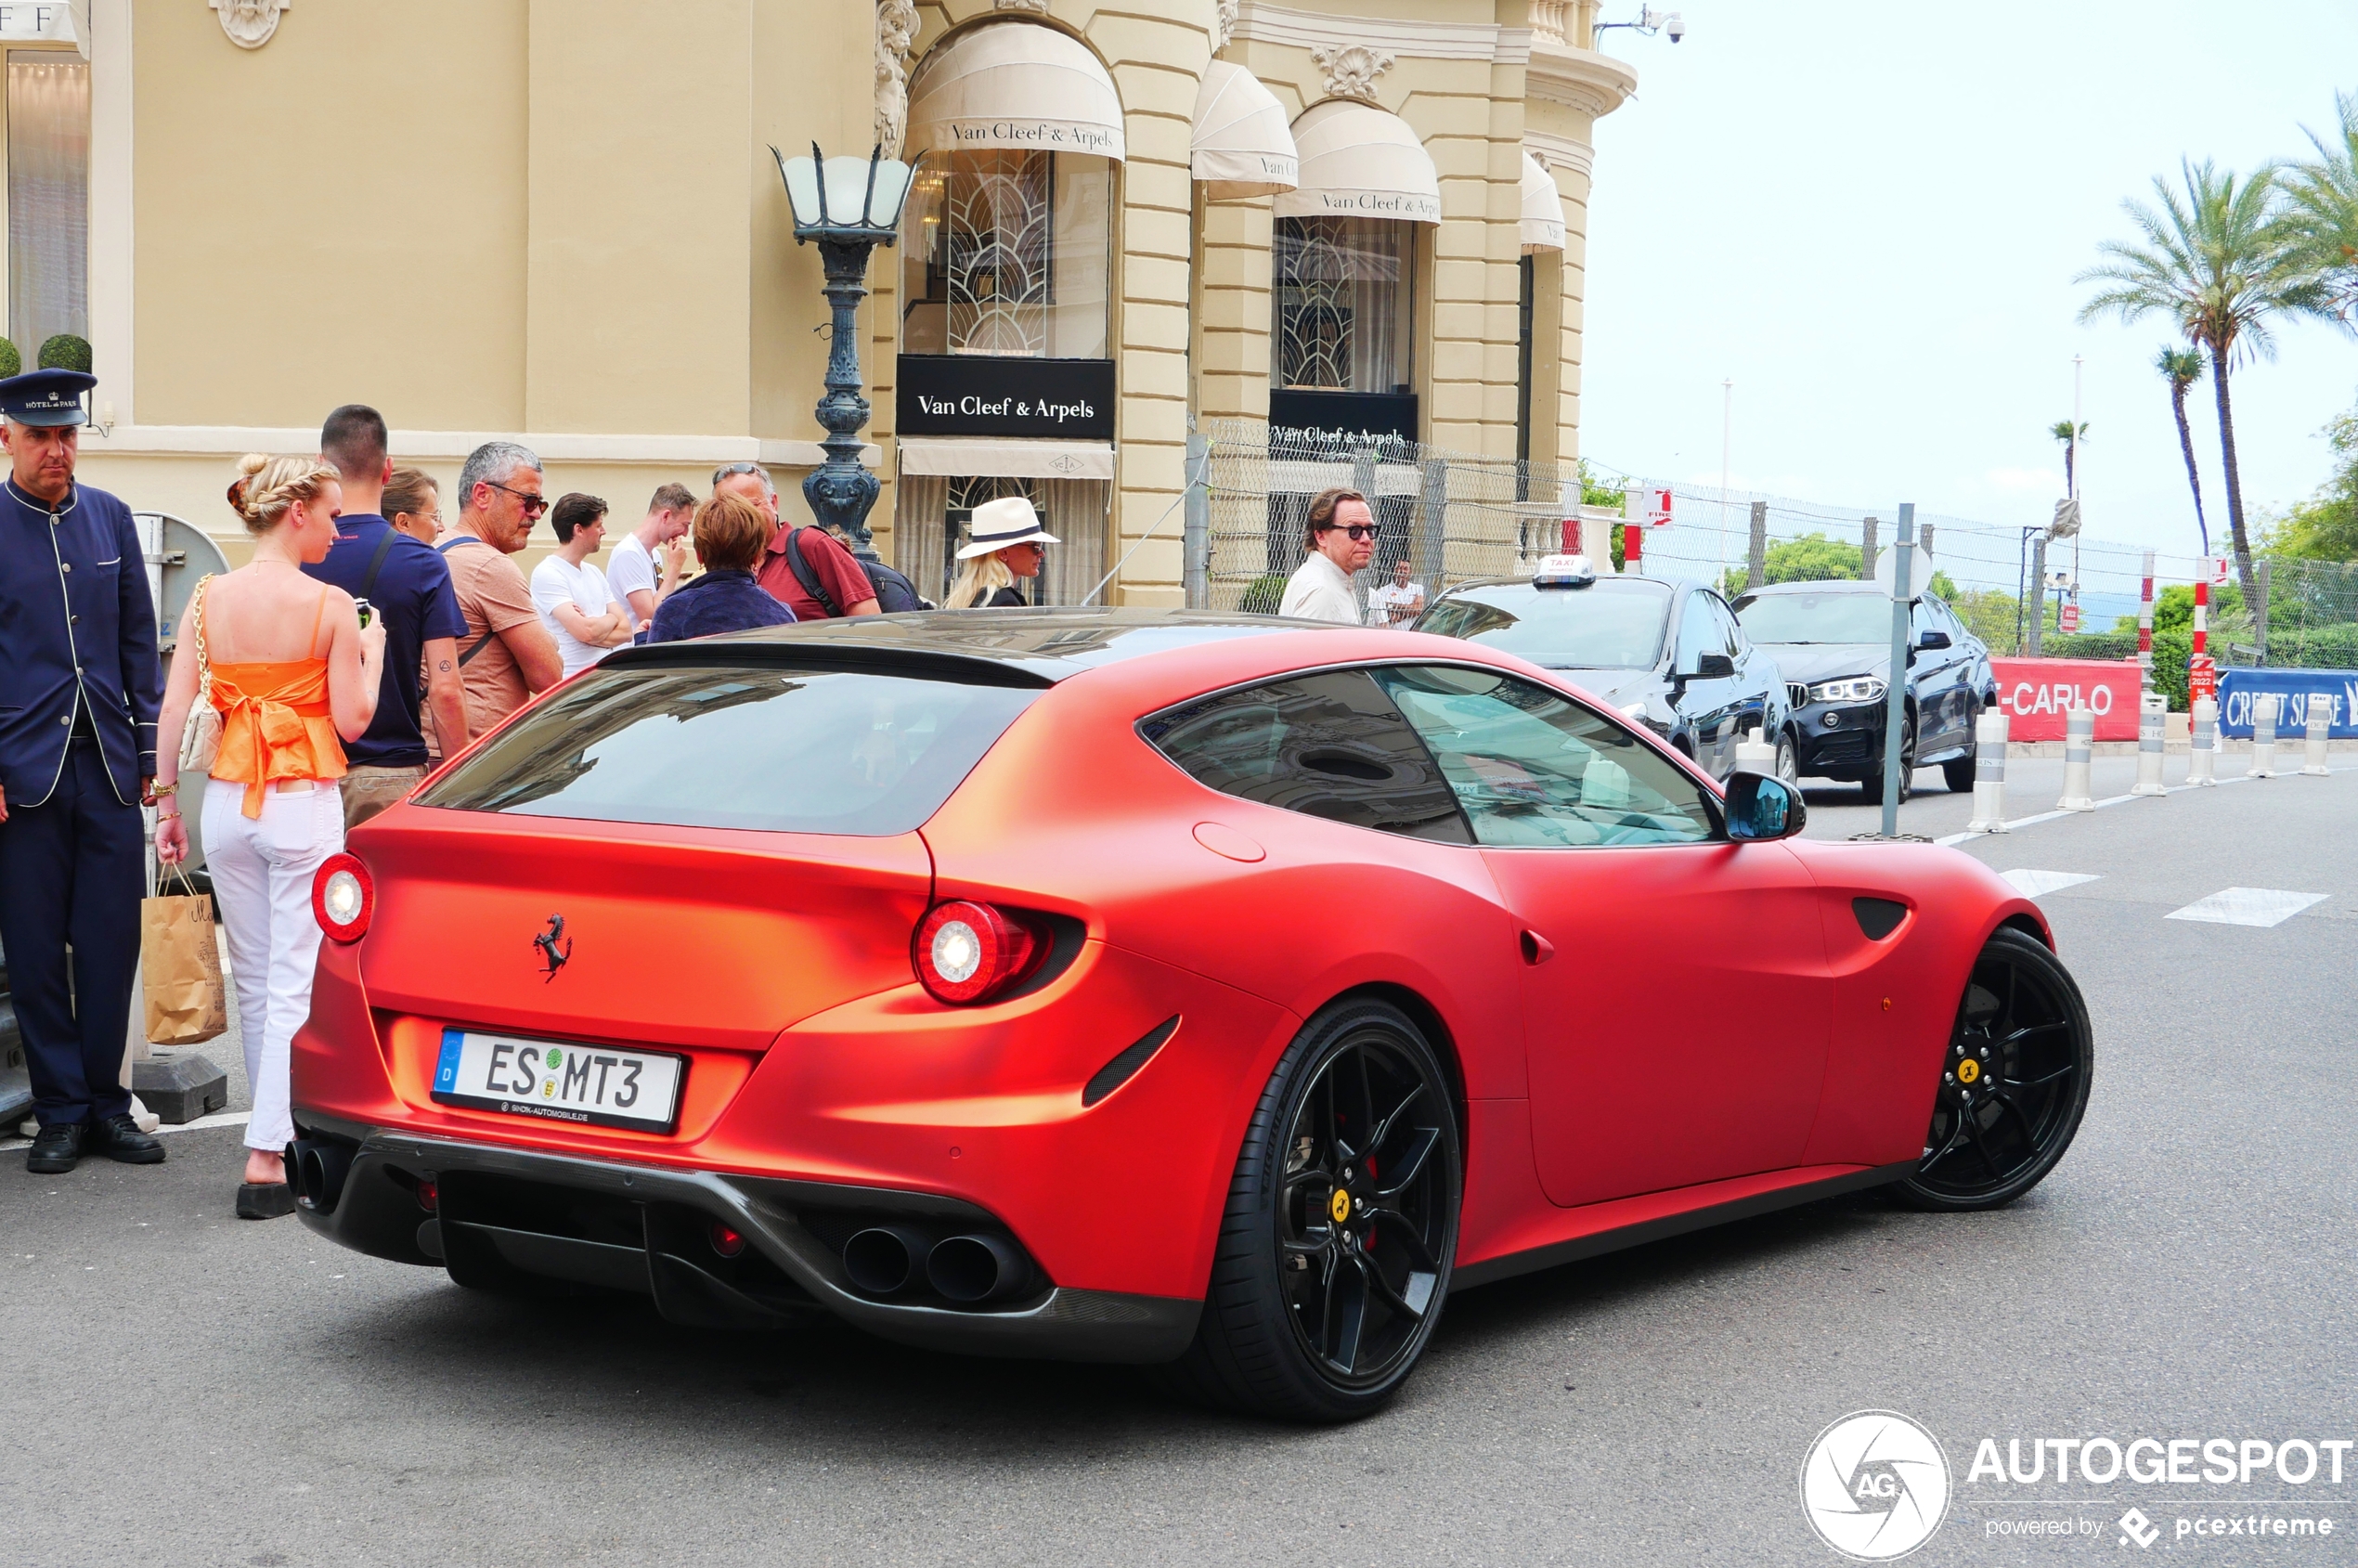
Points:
x=1455, y=516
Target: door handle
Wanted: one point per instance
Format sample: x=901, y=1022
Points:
x=1536, y=949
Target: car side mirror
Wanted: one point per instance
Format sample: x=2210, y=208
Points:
x=1932, y=640
x=1713, y=666
x=1761, y=808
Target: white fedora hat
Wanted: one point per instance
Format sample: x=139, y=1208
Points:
x=996, y=524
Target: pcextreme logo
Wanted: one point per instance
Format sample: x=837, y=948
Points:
x=1875, y=1486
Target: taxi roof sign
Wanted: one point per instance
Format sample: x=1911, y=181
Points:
x=1563, y=571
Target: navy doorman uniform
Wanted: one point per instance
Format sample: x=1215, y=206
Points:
x=80, y=687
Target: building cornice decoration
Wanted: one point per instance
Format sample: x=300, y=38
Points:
x=1581, y=79
x=1224, y=25
x=1351, y=68
x=896, y=29
x=1261, y=23
x=249, y=23
x=1037, y=8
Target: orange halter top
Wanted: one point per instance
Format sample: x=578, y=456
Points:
x=275, y=722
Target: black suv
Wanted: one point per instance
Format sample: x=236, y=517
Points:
x=1833, y=639
x=1668, y=654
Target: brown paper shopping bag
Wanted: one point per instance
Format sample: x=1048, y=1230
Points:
x=180, y=969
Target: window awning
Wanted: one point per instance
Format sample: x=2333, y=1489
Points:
x=1241, y=144
x=1015, y=85
x=975, y=457
x=1543, y=208
x=1359, y=162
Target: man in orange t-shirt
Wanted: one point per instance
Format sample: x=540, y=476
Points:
x=505, y=655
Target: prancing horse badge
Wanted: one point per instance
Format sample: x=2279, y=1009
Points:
x=552, y=953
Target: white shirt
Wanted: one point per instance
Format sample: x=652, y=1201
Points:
x=556, y=581
x=1319, y=591
x=1383, y=600
x=630, y=569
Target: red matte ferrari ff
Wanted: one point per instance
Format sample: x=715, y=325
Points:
x=1215, y=994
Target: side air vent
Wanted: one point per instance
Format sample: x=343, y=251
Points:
x=1878, y=917
x=1123, y=1068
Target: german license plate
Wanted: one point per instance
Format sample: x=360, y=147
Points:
x=595, y=1084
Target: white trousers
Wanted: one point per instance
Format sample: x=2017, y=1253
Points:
x=262, y=871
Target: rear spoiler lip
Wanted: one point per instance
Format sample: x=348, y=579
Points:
x=1020, y=673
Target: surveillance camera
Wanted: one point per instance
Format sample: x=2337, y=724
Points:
x=1678, y=27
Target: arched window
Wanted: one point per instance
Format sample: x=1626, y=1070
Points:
x=1007, y=252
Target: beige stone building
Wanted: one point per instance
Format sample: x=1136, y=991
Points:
x=559, y=221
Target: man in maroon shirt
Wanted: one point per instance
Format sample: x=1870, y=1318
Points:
x=831, y=565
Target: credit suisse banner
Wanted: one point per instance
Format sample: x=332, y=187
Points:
x=2238, y=687
x=2036, y=693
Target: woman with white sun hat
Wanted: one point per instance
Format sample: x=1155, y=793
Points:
x=1004, y=541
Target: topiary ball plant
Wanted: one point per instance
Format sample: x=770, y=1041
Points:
x=66, y=352
x=11, y=362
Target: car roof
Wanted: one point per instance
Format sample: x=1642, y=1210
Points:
x=1007, y=647
x=1829, y=585
x=1615, y=582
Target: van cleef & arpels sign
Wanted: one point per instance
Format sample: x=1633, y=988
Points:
x=987, y=394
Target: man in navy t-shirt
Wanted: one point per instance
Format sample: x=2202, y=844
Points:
x=409, y=584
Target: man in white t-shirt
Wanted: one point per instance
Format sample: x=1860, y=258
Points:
x=571, y=593
x=1397, y=602
x=631, y=571
x=1340, y=537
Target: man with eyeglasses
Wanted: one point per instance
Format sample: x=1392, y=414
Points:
x=808, y=570
x=505, y=654
x=1339, y=534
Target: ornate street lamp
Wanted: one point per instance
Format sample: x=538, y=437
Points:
x=849, y=206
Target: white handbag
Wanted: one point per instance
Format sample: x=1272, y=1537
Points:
x=200, y=736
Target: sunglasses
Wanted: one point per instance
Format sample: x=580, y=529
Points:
x=532, y=505
x=1356, y=530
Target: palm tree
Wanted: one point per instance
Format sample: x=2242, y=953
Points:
x=2063, y=431
x=2216, y=260
x=2182, y=368
x=2324, y=211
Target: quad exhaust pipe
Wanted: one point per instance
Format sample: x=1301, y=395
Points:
x=969, y=1270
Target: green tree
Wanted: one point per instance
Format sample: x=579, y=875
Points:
x=2323, y=211
x=2324, y=527
x=2182, y=368
x=2216, y=260
x=2071, y=436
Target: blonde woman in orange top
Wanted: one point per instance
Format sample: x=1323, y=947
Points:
x=294, y=675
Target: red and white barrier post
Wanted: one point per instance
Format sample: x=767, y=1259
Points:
x=2321, y=720
x=2080, y=740
x=2146, y=630
x=1989, y=772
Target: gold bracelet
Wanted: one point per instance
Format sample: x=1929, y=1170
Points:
x=160, y=791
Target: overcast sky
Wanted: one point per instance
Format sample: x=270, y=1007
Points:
x=1869, y=217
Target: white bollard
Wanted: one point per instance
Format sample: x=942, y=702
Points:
x=2153, y=717
x=1989, y=772
x=2202, y=761
x=2264, y=735
x=1754, y=755
x=2321, y=720
x=2079, y=739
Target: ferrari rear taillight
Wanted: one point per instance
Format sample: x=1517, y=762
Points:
x=966, y=952
x=343, y=897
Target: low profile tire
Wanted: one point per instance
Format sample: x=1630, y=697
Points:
x=1335, y=1250
x=2013, y=1081
x=1871, y=786
x=1788, y=762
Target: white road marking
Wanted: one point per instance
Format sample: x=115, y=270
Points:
x=2038, y=884
x=2108, y=800
x=2247, y=906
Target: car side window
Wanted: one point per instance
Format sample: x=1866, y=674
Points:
x=1698, y=633
x=1532, y=769
x=1922, y=619
x=1725, y=619
x=1332, y=744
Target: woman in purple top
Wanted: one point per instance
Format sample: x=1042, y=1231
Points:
x=730, y=535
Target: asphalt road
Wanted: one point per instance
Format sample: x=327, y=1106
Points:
x=183, y=1388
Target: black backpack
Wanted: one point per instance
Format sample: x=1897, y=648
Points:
x=894, y=593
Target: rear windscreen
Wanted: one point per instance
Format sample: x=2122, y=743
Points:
x=784, y=751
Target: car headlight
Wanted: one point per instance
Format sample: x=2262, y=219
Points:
x=1853, y=689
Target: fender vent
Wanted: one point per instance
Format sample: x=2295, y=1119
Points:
x=1878, y=917
x=1123, y=1068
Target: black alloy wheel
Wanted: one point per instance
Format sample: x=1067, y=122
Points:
x=1335, y=1251
x=1958, y=772
x=2013, y=1081
x=1871, y=788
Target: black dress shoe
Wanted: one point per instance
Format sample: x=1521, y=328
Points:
x=56, y=1148
x=118, y=1137
x=263, y=1200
